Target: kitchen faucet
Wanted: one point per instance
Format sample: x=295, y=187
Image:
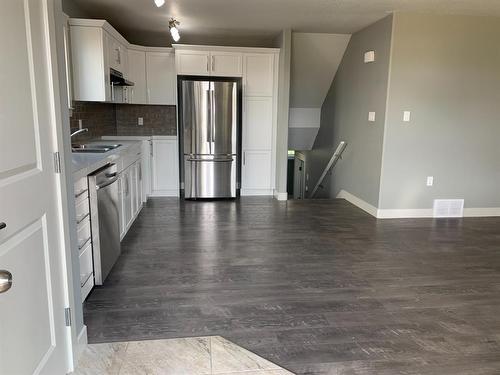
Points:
x=79, y=131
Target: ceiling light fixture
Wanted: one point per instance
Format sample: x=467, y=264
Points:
x=174, y=31
x=159, y=3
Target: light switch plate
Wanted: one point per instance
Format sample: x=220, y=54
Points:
x=371, y=116
x=406, y=116
x=369, y=57
x=140, y=121
x=430, y=180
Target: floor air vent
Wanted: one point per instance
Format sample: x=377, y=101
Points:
x=448, y=208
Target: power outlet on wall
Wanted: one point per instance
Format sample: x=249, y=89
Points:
x=140, y=121
x=430, y=180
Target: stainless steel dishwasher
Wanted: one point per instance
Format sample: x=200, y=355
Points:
x=104, y=220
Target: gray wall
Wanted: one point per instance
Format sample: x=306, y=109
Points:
x=357, y=89
x=446, y=71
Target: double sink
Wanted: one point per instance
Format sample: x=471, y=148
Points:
x=93, y=147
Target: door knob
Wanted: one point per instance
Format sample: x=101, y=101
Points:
x=5, y=281
x=2, y=226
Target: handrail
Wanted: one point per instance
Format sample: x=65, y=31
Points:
x=333, y=160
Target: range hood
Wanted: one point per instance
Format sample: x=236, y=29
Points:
x=116, y=78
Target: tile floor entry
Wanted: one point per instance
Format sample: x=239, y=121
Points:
x=184, y=356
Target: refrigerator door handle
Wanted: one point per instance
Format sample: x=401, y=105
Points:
x=212, y=117
x=209, y=119
x=211, y=160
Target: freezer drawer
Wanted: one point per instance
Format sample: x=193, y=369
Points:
x=210, y=177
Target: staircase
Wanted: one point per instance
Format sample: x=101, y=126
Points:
x=331, y=164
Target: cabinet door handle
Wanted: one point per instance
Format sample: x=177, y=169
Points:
x=79, y=194
x=84, y=243
x=208, y=67
x=151, y=144
x=79, y=220
x=213, y=63
x=244, y=157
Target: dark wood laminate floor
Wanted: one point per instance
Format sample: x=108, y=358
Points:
x=318, y=287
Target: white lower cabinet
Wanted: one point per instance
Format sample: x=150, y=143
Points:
x=165, y=168
x=256, y=173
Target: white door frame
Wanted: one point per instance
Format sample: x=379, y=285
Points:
x=78, y=340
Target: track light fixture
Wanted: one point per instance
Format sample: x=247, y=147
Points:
x=159, y=3
x=174, y=31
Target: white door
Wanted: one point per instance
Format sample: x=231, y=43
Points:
x=137, y=74
x=34, y=338
x=226, y=64
x=256, y=173
x=160, y=73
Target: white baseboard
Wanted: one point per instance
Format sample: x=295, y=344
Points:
x=482, y=212
x=411, y=213
x=280, y=196
x=365, y=206
x=255, y=192
x=404, y=213
x=165, y=193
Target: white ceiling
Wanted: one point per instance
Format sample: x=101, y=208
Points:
x=256, y=22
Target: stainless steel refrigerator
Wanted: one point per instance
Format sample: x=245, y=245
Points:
x=209, y=124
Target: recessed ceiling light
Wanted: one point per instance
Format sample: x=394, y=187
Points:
x=159, y=3
x=174, y=31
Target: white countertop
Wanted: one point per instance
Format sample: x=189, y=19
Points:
x=86, y=163
x=139, y=137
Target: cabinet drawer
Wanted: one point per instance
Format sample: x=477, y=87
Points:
x=82, y=212
x=83, y=235
x=132, y=154
x=86, y=264
x=81, y=190
x=87, y=287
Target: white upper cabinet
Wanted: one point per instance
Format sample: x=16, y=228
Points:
x=209, y=63
x=160, y=77
x=226, y=64
x=96, y=47
x=258, y=74
x=137, y=74
x=192, y=62
x=90, y=72
x=117, y=54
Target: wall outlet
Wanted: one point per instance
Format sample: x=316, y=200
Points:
x=140, y=121
x=369, y=57
x=80, y=124
x=430, y=180
x=371, y=116
x=406, y=116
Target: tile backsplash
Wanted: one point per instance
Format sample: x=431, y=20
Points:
x=158, y=119
x=122, y=119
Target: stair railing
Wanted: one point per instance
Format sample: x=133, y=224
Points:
x=333, y=161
